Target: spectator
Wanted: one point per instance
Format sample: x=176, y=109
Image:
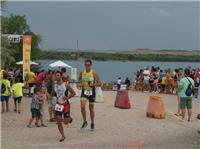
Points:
x=128, y=83
x=5, y=93
x=31, y=81
x=40, y=78
x=186, y=100
x=36, y=107
x=119, y=83
x=65, y=76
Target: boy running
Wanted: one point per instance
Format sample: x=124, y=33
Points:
x=17, y=94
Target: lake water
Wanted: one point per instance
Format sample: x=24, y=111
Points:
x=111, y=70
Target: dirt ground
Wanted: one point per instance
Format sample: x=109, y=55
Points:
x=115, y=128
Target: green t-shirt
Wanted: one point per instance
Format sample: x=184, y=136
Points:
x=7, y=85
x=1, y=73
x=184, y=82
x=17, y=89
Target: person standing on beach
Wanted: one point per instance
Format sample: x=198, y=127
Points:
x=40, y=78
x=146, y=74
x=35, y=107
x=5, y=93
x=88, y=79
x=128, y=83
x=65, y=76
x=155, y=80
x=179, y=77
x=40, y=99
x=31, y=81
x=63, y=93
x=198, y=101
x=49, y=82
x=185, y=100
x=119, y=83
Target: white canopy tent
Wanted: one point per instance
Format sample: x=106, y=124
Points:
x=59, y=64
x=32, y=63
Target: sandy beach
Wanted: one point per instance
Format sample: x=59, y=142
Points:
x=115, y=128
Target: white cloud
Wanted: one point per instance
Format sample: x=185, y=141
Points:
x=159, y=11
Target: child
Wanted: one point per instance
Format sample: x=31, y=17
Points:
x=36, y=107
x=40, y=98
x=17, y=94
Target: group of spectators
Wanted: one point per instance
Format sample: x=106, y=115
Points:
x=157, y=80
x=183, y=82
x=127, y=82
x=15, y=85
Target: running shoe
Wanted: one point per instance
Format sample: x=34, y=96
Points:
x=84, y=125
x=92, y=127
x=43, y=125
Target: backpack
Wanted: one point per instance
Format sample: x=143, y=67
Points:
x=189, y=90
x=3, y=88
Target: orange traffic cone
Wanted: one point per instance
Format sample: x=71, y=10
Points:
x=155, y=108
x=122, y=100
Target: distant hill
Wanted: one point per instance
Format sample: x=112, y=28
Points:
x=164, y=51
x=61, y=50
x=132, y=55
x=134, y=51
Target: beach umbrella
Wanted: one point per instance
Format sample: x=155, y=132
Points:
x=32, y=63
x=59, y=64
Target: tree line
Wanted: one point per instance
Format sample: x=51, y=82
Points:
x=12, y=52
x=117, y=56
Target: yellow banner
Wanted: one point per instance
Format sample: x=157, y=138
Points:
x=26, y=55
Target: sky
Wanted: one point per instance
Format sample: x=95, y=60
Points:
x=112, y=25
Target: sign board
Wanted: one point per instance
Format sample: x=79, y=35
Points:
x=14, y=38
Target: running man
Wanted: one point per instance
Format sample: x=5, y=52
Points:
x=63, y=93
x=88, y=79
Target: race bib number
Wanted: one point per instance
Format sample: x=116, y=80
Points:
x=59, y=108
x=87, y=93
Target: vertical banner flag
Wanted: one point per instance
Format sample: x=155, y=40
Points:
x=26, y=55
